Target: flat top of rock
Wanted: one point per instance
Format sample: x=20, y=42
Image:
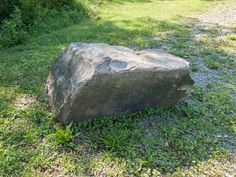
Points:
x=108, y=58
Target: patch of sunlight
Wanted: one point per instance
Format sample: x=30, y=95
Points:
x=61, y=47
x=23, y=101
x=159, y=10
x=103, y=165
x=213, y=167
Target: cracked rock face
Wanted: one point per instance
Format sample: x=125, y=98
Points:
x=95, y=80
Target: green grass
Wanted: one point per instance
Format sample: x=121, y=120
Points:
x=233, y=38
x=156, y=141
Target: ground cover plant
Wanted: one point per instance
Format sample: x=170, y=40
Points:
x=195, y=137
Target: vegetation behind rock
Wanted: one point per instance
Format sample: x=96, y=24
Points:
x=19, y=18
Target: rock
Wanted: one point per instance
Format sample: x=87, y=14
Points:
x=96, y=80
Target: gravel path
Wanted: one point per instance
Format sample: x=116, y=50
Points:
x=222, y=15
x=222, y=18
x=215, y=25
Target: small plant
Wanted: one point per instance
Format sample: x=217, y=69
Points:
x=232, y=38
x=212, y=64
x=149, y=158
x=12, y=32
x=63, y=136
x=194, y=67
x=197, y=92
x=7, y=7
x=114, y=140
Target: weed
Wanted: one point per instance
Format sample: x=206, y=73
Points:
x=63, y=136
x=232, y=38
x=12, y=32
x=150, y=159
x=114, y=140
x=213, y=64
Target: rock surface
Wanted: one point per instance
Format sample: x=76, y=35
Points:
x=95, y=80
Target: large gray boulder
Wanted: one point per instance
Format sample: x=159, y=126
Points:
x=96, y=80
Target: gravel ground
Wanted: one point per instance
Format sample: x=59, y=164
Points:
x=222, y=15
x=223, y=19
